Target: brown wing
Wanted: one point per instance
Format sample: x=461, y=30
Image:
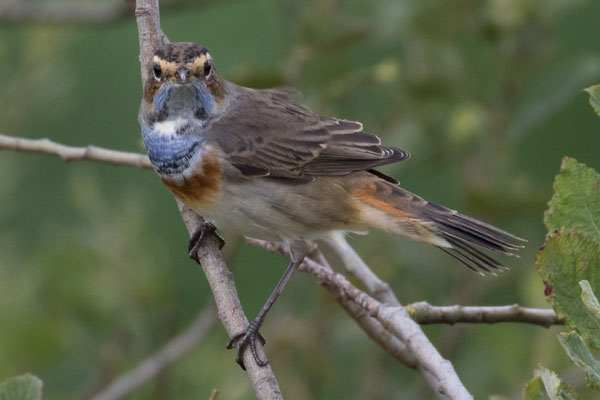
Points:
x=265, y=134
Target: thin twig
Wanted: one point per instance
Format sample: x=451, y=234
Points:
x=70, y=153
x=390, y=343
x=52, y=11
x=157, y=362
x=220, y=279
x=425, y=313
x=356, y=266
x=373, y=328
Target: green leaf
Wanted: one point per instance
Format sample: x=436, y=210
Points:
x=554, y=387
x=580, y=354
x=589, y=299
x=534, y=390
x=576, y=200
x=547, y=386
x=551, y=383
x=24, y=387
x=594, y=92
x=568, y=257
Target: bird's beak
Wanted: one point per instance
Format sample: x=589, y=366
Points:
x=182, y=75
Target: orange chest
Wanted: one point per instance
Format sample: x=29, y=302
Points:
x=201, y=187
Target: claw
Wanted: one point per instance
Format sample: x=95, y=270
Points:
x=242, y=340
x=206, y=228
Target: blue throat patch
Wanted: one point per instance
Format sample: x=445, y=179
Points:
x=170, y=155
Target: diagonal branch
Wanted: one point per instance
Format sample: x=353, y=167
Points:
x=229, y=308
x=438, y=371
x=356, y=266
x=164, y=357
x=373, y=328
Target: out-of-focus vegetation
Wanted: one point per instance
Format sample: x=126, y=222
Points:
x=25, y=387
x=94, y=273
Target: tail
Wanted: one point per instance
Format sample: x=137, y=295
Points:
x=390, y=208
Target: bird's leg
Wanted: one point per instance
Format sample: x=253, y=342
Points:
x=249, y=335
x=204, y=229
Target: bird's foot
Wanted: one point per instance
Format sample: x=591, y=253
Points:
x=242, y=340
x=204, y=229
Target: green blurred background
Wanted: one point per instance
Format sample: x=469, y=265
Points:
x=94, y=274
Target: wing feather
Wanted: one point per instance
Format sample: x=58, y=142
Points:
x=266, y=134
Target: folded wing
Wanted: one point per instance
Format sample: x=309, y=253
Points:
x=266, y=134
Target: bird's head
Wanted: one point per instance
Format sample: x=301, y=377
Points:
x=183, y=93
x=183, y=83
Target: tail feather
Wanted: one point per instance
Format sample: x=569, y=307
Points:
x=464, y=260
x=449, y=231
x=466, y=234
x=458, y=235
x=477, y=254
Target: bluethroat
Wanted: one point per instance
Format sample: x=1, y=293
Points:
x=253, y=162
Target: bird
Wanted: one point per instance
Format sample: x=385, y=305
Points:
x=254, y=162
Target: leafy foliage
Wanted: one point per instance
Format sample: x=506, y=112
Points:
x=594, y=92
x=24, y=387
x=589, y=299
x=575, y=345
x=572, y=249
x=580, y=354
x=568, y=257
x=576, y=200
x=569, y=263
x=547, y=386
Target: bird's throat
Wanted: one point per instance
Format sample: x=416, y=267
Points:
x=170, y=153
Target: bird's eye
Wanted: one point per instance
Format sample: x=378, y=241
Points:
x=157, y=71
x=207, y=68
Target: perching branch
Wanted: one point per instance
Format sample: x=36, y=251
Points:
x=164, y=357
x=229, y=308
x=220, y=279
x=425, y=313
